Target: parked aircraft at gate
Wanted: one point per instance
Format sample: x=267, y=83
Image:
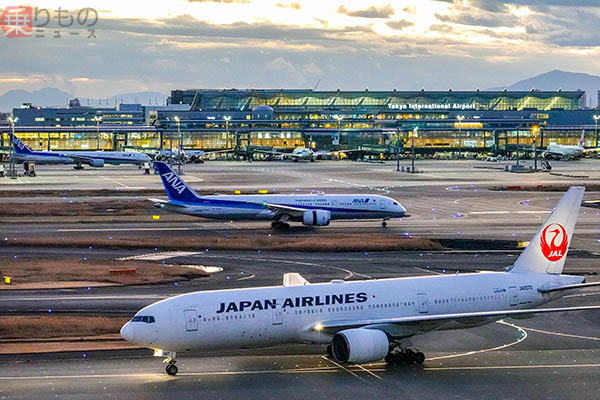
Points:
x=91, y=158
x=365, y=321
x=563, y=151
x=313, y=209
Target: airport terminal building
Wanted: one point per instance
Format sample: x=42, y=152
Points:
x=470, y=121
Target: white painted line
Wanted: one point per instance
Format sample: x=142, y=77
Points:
x=341, y=367
x=523, y=337
x=112, y=180
x=163, y=255
x=122, y=229
x=512, y=367
x=369, y=372
x=560, y=334
x=509, y=212
x=247, y=277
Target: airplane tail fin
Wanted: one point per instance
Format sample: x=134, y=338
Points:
x=581, y=139
x=547, y=251
x=20, y=147
x=176, y=188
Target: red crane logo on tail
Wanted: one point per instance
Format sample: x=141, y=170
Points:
x=554, y=242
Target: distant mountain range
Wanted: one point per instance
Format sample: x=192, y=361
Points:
x=556, y=79
x=52, y=97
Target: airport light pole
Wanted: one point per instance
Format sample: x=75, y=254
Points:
x=178, y=121
x=412, y=149
x=97, y=119
x=460, y=120
x=12, y=172
x=596, y=118
x=535, y=129
x=227, y=118
x=397, y=148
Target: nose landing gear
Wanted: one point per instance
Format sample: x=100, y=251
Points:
x=171, y=368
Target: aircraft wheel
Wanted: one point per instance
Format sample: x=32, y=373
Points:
x=419, y=357
x=329, y=351
x=275, y=224
x=172, y=369
x=390, y=359
x=384, y=224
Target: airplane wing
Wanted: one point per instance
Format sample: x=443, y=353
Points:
x=591, y=150
x=79, y=158
x=331, y=327
x=279, y=209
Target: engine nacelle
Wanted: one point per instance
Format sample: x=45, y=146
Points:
x=316, y=217
x=359, y=345
x=96, y=162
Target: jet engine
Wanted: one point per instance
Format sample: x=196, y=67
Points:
x=96, y=162
x=316, y=217
x=359, y=345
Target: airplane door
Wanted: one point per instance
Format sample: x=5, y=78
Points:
x=514, y=295
x=191, y=320
x=278, y=313
x=423, y=303
x=382, y=204
x=334, y=203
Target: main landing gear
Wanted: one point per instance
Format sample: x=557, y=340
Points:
x=280, y=225
x=398, y=356
x=78, y=166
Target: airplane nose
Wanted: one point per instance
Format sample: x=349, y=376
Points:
x=128, y=332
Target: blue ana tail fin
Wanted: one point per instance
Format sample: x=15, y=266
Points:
x=176, y=188
x=20, y=147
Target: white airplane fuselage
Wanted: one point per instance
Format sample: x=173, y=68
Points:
x=240, y=318
x=249, y=207
x=70, y=157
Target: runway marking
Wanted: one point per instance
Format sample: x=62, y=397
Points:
x=582, y=295
x=369, y=372
x=341, y=367
x=428, y=271
x=246, y=277
x=560, y=334
x=504, y=346
x=24, y=298
x=163, y=255
x=484, y=367
x=115, y=181
x=123, y=229
x=509, y=212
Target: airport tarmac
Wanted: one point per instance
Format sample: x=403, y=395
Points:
x=553, y=356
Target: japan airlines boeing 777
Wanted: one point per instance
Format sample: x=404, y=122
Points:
x=365, y=321
x=91, y=158
x=313, y=209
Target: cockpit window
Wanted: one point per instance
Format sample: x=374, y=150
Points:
x=395, y=203
x=149, y=319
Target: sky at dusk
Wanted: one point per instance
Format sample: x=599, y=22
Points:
x=351, y=45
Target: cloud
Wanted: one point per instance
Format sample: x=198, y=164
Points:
x=294, y=6
x=399, y=24
x=371, y=12
x=221, y=1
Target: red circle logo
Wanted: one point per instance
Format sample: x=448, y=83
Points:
x=554, y=242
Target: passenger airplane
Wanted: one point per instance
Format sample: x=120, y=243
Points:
x=365, y=321
x=562, y=151
x=313, y=209
x=299, y=153
x=91, y=158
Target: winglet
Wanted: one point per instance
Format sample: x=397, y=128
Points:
x=547, y=251
x=176, y=188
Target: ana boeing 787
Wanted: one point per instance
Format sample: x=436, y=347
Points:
x=365, y=321
x=312, y=209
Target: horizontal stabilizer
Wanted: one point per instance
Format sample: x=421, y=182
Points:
x=568, y=287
